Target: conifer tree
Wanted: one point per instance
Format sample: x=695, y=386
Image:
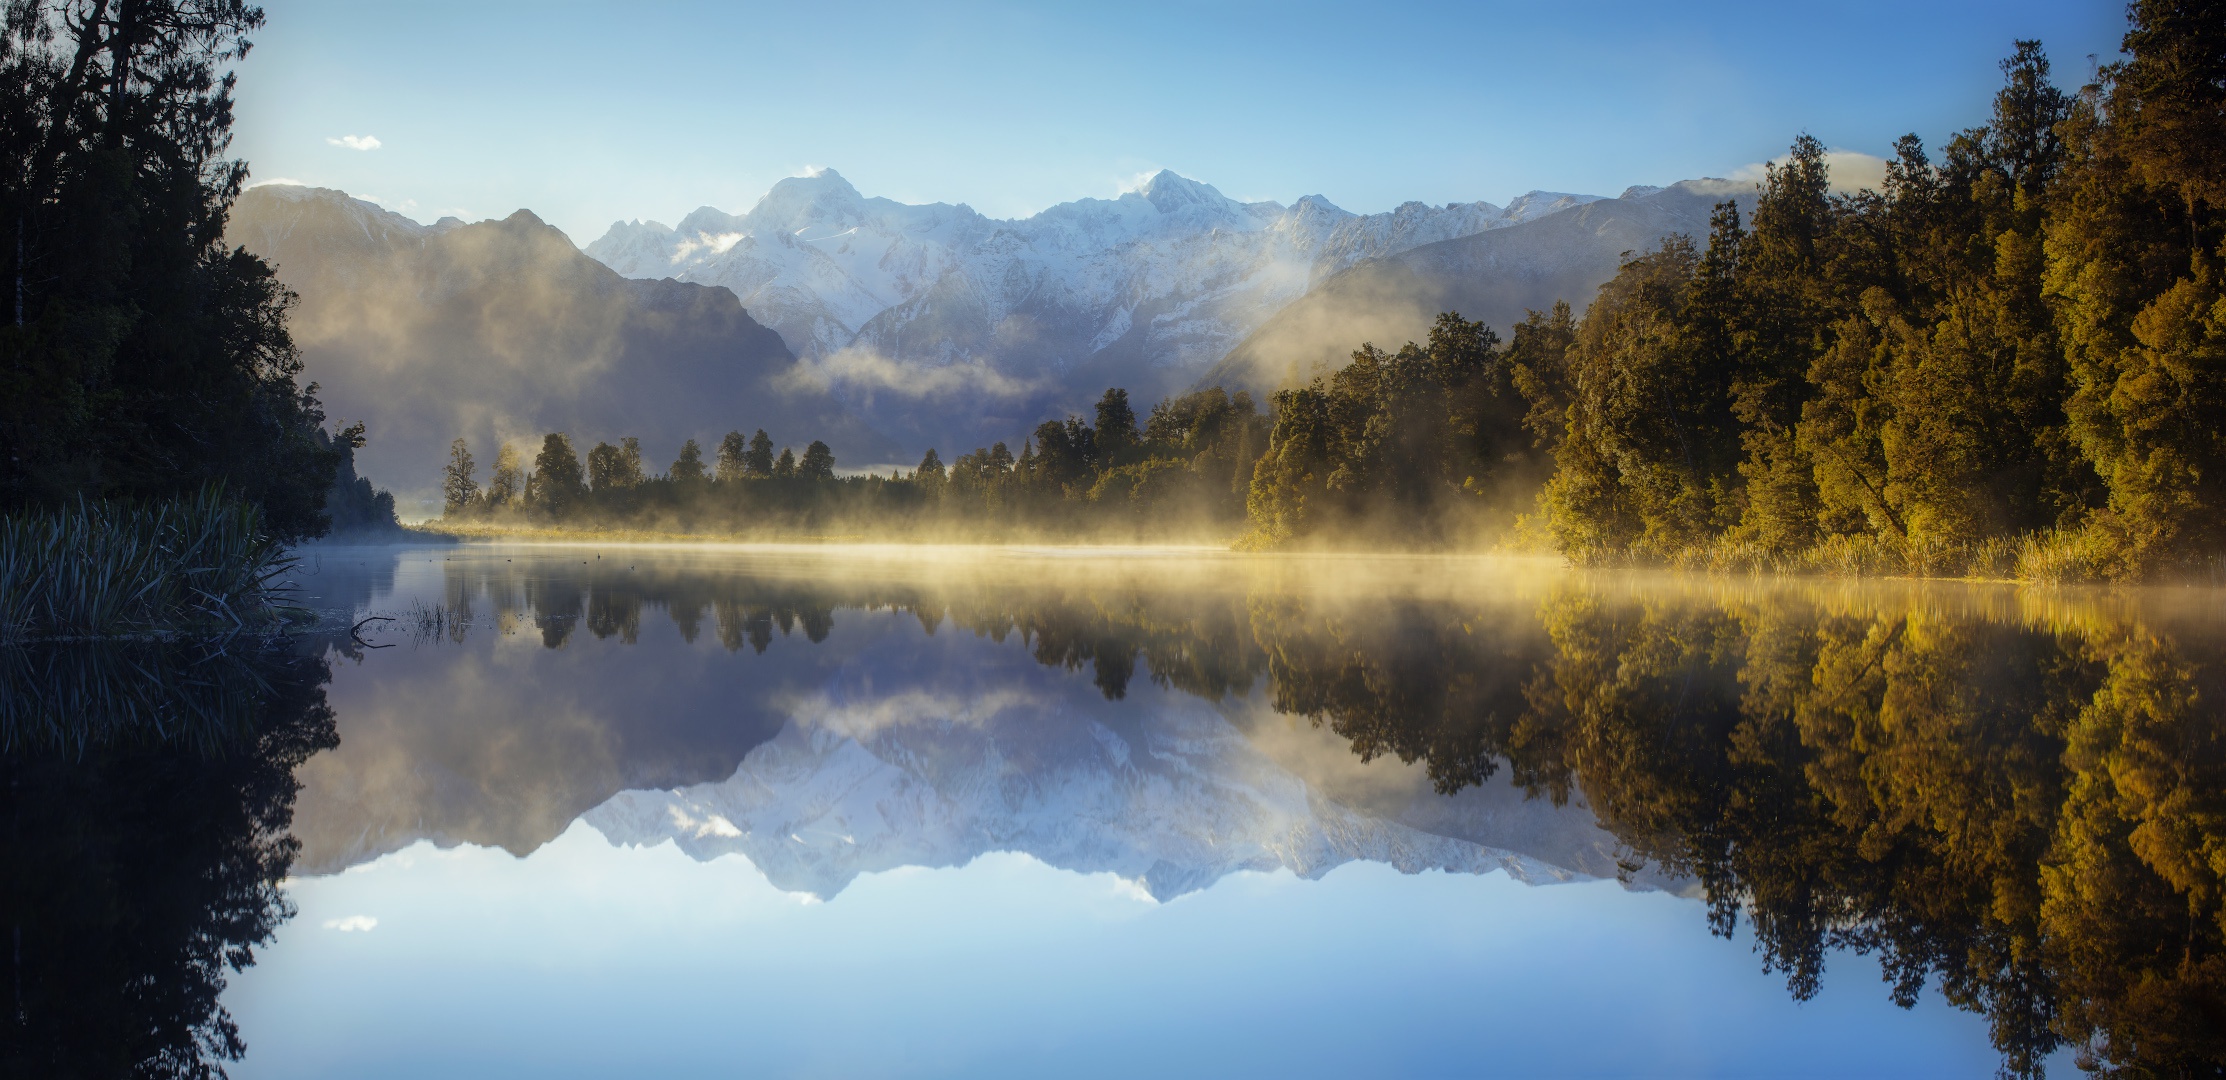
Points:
x=1115, y=436
x=603, y=467
x=557, y=485
x=733, y=458
x=507, y=484
x=630, y=471
x=759, y=463
x=931, y=476
x=818, y=463
x=688, y=467
x=459, y=491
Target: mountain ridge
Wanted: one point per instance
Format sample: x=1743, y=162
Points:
x=1033, y=315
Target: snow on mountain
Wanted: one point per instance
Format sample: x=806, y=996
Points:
x=1173, y=802
x=1168, y=276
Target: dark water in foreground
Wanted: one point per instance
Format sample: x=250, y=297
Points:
x=823, y=812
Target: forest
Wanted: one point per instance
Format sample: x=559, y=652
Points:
x=1184, y=471
x=2010, y=361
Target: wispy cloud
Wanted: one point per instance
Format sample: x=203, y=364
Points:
x=867, y=719
x=716, y=245
x=286, y=180
x=1851, y=170
x=858, y=368
x=352, y=924
x=356, y=142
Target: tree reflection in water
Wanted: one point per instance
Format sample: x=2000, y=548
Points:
x=2021, y=806
x=148, y=789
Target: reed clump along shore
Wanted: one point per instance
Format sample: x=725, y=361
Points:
x=201, y=565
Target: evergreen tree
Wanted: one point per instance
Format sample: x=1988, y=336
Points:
x=688, y=467
x=931, y=475
x=1065, y=452
x=507, y=484
x=603, y=468
x=1115, y=436
x=759, y=462
x=785, y=468
x=558, y=484
x=734, y=458
x=459, y=491
x=630, y=471
x=818, y=463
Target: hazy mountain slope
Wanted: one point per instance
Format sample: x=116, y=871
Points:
x=503, y=329
x=948, y=327
x=1494, y=276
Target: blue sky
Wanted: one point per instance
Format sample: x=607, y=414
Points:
x=588, y=113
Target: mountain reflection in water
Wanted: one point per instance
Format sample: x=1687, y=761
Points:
x=2015, y=800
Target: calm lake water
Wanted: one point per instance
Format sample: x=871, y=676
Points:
x=676, y=811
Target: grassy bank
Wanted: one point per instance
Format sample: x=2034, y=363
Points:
x=192, y=566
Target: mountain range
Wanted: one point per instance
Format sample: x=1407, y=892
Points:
x=886, y=328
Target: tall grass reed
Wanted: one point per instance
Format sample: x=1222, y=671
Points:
x=199, y=565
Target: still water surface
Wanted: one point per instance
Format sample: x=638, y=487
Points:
x=618, y=811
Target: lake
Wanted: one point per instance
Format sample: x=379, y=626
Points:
x=562, y=811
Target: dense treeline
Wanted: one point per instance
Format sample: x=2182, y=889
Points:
x=139, y=356
x=1184, y=471
x=2012, y=359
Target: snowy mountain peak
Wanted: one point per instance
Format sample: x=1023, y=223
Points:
x=1173, y=804
x=1532, y=205
x=1158, y=282
x=707, y=221
x=800, y=202
x=1173, y=193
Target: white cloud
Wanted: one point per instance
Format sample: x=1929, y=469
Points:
x=1134, y=183
x=356, y=142
x=717, y=245
x=285, y=180
x=864, y=720
x=858, y=368
x=1850, y=170
x=351, y=923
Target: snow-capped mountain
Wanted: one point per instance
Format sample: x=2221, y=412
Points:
x=1173, y=803
x=1165, y=278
